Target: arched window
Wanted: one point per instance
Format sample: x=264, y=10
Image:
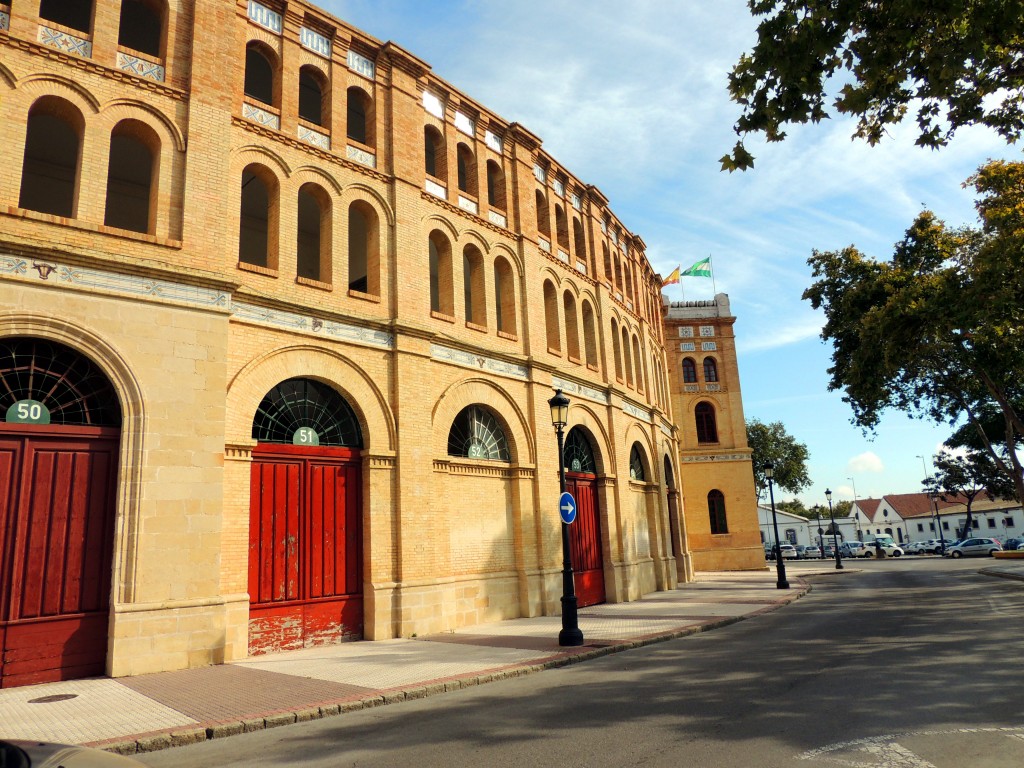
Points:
x=580, y=241
x=504, y=296
x=76, y=14
x=710, y=369
x=543, y=217
x=57, y=383
x=608, y=274
x=311, y=95
x=627, y=357
x=476, y=434
x=561, y=227
x=716, y=511
x=466, y=169
x=363, y=249
x=578, y=453
x=689, y=371
x=572, y=329
x=618, y=271
x=53, y=146
x=638, y=360
x=441, y=283
x=360, y=116
x=616, y=350
x=134, y=147
x=495, y=186
x=141, y=27
x=551, y=317
x=589, y=335
x=636, y=464
x=473, y=285
x=313, y=246
x=434, y=155
x=259, y=75
x=306, y=412
x=628, y=287
x=707, y=428
x=257, y=238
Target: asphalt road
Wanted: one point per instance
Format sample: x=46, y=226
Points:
x=907, y=663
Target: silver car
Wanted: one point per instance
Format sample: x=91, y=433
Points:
x=973, y=548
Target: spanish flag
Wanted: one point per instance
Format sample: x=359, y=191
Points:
x=672, y=279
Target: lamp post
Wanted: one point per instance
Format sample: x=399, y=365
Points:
x=835, y=539
x=856, y=514
x=571, y=635
x=942, y=538
x=780, y=566
x=821, y=531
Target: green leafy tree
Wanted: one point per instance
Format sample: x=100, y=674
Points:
x=772, y=444
x=985, y=441
x=955, y=63
x=965, y=476
x=794, y=507
x=937, y=332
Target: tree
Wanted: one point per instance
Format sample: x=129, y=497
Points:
x=938, y=332
x=985, y=440
x=794, y=507
x=956, y=63
x=771, y=444
x=964, y=475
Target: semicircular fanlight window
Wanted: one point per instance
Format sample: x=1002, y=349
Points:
x=636, y=465
x=578, y=453
x=306, y=412
x=476, y=434
x=46, y=382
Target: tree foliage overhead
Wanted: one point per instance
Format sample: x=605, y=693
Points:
x=771, y=444
x=938, y=331
x=956, y=63
x=966, y=475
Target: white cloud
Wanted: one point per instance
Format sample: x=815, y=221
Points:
x=865, y=462
x=774, y=338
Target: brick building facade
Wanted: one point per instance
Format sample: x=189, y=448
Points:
x=280, y=313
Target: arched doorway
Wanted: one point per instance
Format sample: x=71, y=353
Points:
x=673, y=508
x=59, y=438
x=305, y=532
x=585, y=531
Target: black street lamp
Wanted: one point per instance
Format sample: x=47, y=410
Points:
x=942, y=538
x=571, y=634
x=835, y=538
x=821, y=531
x=780, y=566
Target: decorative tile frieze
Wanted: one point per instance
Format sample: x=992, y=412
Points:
x=433, y=104
x=629, y=305
x=468, y=205
x=691, y=387
x=437, y=190
x=686, y=331
x=581, y=267
x=464, y=124
x=363, y=66
x=713, y=387
x=707, y=330
x=575, y=388
x=477, y=362
x=261, y=116
x=294, y=321
x=705, y=458
x=665, y=427
x=62, y=275
x=361, y=156
x=636, y=411
x=317, y=139
x=563, y=256
x=544, y=245
x=5, y=20
x=313, y=41
x=497, y=218
x=265, y=17
x=493, y=141
x=140, y=67
x=62, y=41
x=708, y=346
x=687, y=346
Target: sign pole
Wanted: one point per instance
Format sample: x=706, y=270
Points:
x=571, y=635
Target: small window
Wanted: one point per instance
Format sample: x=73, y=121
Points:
x=689, y=371
x=466, y=169
x=707, y=428
x=259, y=75
x=476, y=434
x=441, y=282
x=313, y=242
x=716, y=514
x=710, y=369
x=74, y=14
x=551, y=317
x=1008, y=522
x=504, y=296
x=579, y=453
x=433, y=152
x=991, y=523
x=636, y=464
x=140, y=28
x=495, y=186
x=543, y=218
x=311, y=99
x=363, y=249
x=920, y=527
x=130, y=176
x=49, y=171
x=473, y=285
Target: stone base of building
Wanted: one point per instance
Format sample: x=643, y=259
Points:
x=739, y=559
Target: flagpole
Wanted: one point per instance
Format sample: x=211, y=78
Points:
x=714, y=289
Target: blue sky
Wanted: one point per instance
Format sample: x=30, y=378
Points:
x=632, y=98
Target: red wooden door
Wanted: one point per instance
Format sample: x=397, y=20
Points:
x=305, y=553
x=56, y=541
x=585, y=541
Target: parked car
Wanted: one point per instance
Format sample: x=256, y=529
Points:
x=788, y=552
x=37, y=754
x=828, y=551
x=935, y=545
x=807, y=552
x=851, y=549
x=973, y=547
x=1012, y=545
x=888, y=548
x=915, y=548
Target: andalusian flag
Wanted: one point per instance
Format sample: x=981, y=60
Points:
x=701, y=269
x=672, y=279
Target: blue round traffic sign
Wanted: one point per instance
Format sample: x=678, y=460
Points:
x=567, y=507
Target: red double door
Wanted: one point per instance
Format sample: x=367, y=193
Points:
x=305, y=548
x=57, y=490
x=585, y=540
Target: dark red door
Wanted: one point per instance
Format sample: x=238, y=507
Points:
x=305, y=553
x=56, y=539
x=585, y=540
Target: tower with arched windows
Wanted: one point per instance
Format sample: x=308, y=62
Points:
x=715, y=476
x=280, y=314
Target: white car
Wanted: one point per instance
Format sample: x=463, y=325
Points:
x=889, y=549
x=788, y=552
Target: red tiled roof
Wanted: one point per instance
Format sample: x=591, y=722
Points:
x=869, y=507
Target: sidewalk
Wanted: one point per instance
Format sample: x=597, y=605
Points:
x=150, y=712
